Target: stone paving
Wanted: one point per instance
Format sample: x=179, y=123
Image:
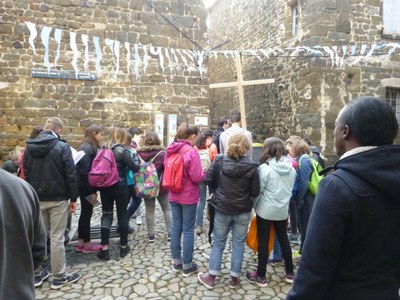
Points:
x=146, y=272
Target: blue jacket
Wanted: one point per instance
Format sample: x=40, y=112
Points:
x=302, y=180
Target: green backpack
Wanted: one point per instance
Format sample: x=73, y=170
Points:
x=315, y=177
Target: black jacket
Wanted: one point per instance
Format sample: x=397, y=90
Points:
x=236, y=184
x=83, y=168
x=50, y=169
x=124, y=159
x=217, y=132
x=353, y=242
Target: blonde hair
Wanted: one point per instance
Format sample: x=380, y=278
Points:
x=117, y=136
x=238, y=146
x=53, y=124
x=298, y=145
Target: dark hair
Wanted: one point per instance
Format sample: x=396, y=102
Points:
x=208, y=133
x=185, y=131
x=307, y=140
x=135, y=131
x=151, y=139
x=372, y=121
x=201, y=141
x=36, y=130
x=222, y=121
x=235, y=116
x=272, y=148
x=89, y=136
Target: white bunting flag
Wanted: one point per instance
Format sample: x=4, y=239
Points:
x=45, y=36
x=32, y=35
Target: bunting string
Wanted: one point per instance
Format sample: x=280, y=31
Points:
x=170, y=59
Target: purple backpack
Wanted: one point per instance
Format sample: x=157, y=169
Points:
x=104, y=172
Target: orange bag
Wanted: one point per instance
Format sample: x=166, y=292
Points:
x=252, y=237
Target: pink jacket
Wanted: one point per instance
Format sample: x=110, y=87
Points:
x=192, y=174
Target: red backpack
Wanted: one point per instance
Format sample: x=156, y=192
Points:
x=104, y=172
x=173, y=171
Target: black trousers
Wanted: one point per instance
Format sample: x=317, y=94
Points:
x=84, y=219
x=263, y=227
x=120, y=195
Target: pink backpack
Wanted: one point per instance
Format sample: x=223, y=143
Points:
x=104, y=172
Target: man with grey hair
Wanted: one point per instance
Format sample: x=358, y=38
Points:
x=50, y=169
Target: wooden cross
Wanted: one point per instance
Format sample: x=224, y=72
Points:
x=240, y=83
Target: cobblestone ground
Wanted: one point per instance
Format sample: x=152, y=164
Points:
x=146, y=272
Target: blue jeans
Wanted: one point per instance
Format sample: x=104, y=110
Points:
x=277, y=253
x=222, y=225
x=201, y=204
x=183, y=220
x=134, y=203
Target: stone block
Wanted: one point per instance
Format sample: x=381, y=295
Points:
x=343, y=27
x=137, y=5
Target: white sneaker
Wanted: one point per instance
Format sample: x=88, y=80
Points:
x=139, y=220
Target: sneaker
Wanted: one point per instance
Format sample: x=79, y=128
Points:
x=124, y=251
x=234, y=282
x=274, y=262
x=103, y=254
x=79, y=248
x=68, y=278
x=44, y=274
x=169, y=236
x=289, y=277
x=176, y=267
x=199, y=230
x=90, y=248
x=152, y=238
x=207, y=280
x=252, y=277
x=139, y=219
x=192, y=269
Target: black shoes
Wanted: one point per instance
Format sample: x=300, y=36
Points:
x=124, y=251
x=103, y=254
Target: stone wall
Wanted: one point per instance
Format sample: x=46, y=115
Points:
x=308, y=92
x=121, y=100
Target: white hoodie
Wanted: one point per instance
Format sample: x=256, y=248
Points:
x=276, y=185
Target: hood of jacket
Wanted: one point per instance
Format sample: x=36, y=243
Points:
x=42, y=144
x=379, y=167
x=148, y=152
x=236, y=168
x=283, y=166
x=177, y=146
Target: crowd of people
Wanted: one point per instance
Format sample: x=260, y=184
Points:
x=356, y=207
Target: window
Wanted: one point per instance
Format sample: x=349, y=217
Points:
x=393, y=98
x=391, y=20
x=295, y=19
